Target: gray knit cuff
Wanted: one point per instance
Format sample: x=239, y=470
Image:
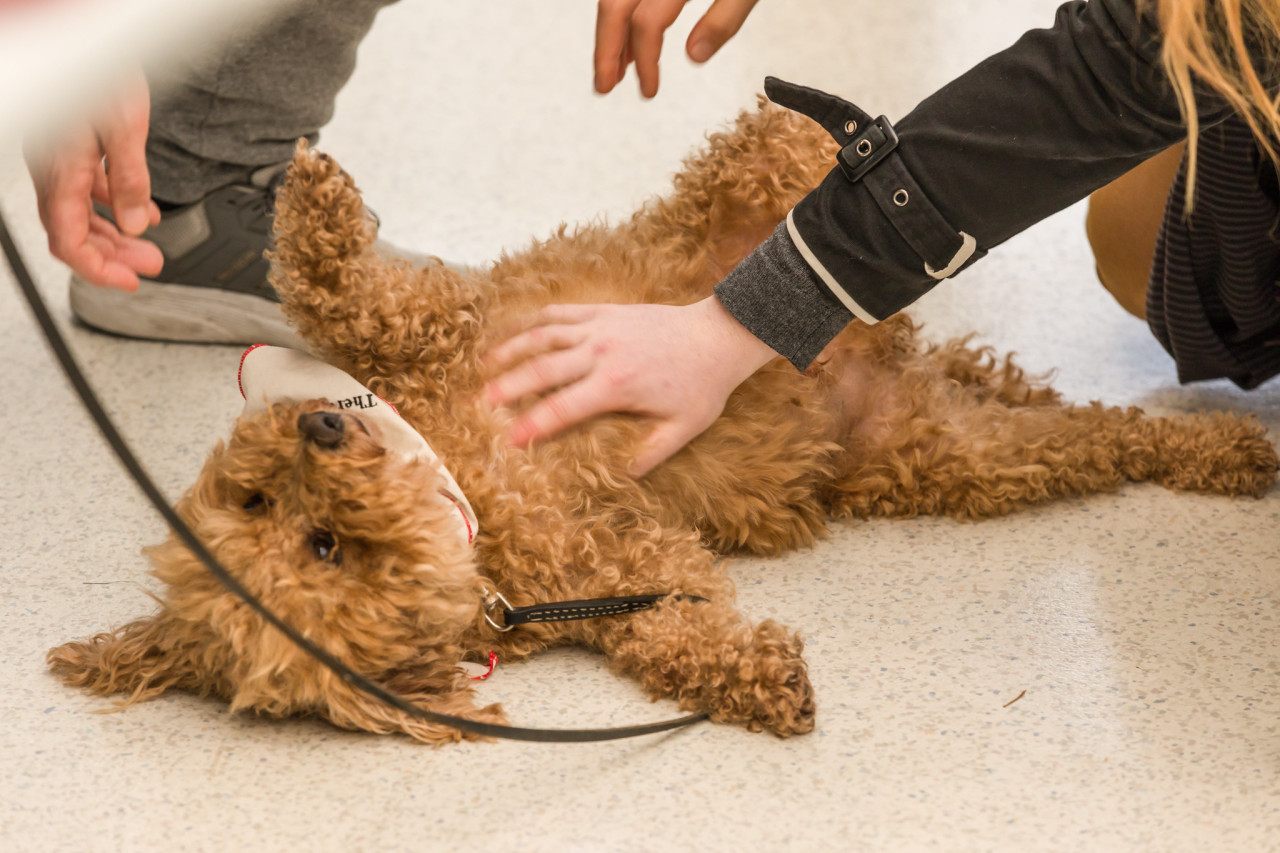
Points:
x=781, y=301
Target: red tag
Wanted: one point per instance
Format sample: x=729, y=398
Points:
x=493, y=661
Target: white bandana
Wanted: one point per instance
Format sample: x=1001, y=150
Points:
x=278, y=375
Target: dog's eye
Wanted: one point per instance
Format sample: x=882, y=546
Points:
x=256, y=502
x=325, y=546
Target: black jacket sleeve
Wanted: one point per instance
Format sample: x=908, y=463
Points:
x=1022, y=135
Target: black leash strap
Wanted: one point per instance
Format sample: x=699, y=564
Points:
x=340, y=669
x=588, y=608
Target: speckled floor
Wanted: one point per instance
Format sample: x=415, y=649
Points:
x=1139, y=628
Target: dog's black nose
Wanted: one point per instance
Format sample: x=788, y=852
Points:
x=322, y=428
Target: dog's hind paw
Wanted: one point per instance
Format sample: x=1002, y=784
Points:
x=1229, y=456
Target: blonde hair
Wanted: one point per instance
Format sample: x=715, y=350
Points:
x=1227, y=45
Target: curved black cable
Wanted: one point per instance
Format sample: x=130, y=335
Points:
x=348, y=675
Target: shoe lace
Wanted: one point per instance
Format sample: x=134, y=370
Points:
x=261, y=206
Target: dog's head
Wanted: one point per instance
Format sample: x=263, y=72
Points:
x=355, y=545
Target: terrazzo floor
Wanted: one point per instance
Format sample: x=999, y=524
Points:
x=1135, y=630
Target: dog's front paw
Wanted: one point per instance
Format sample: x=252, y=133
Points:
x=788, y=709
x=712, y=662
x=772, y=691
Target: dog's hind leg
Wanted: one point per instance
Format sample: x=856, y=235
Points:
x=988, y=460
x=731, y=194
x=1217, y=453
x=989, y=377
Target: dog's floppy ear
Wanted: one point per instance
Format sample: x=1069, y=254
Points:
x=143, y=659
x=442, y=688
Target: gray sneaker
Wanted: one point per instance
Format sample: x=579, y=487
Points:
x=213, y=286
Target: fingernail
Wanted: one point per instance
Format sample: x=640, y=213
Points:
x=134, y=220
x=700, y=51
x=516, y=437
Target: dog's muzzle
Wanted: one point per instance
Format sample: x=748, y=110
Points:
x=278, y=375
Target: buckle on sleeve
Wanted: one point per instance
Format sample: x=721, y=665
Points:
x=876, y=142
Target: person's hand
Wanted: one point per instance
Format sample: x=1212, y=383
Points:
x=71, y=173
x=677, y=365
x=631, y=31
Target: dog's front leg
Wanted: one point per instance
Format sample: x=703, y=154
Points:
x=709, y=659
x=344, y=296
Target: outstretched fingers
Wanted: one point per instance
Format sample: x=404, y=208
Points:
x=720, y=23
x=632, y=31
x=552, y=355
x=540, y=373
x=572, y=404
x=555, y=327
x=674, y=364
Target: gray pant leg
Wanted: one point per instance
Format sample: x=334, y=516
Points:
x=215, y=119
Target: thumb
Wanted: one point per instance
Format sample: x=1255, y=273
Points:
x=663, y=442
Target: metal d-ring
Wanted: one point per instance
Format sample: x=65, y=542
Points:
x=492, y=598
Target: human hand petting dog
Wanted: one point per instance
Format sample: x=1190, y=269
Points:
x=104, y=160
x=631, y=31
x=675, y=364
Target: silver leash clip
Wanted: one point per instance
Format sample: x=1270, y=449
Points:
x=492, y=598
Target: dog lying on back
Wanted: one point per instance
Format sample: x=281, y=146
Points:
x=361, y=547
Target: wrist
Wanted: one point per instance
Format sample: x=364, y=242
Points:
x=741, y=352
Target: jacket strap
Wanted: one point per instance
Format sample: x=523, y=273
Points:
x=870, y=155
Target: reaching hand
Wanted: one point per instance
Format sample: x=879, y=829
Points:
x=677, y=365
x=73, y=174
x=631, y=31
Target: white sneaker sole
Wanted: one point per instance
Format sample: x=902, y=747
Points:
x=179, y=312
x=185, y=313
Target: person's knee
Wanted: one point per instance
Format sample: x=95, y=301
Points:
x=1121, y=267
x=1122, y=224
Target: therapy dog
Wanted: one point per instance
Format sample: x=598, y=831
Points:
x=379, y=509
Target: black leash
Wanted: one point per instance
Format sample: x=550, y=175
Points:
x=348, y=675
x=566, y=611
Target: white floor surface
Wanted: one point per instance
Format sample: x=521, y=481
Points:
x=1139, y=628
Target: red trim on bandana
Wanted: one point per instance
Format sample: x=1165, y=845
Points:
x=471, y=535
x=493, y=661
x=240, y=370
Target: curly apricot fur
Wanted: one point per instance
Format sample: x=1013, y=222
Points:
x=882, y=424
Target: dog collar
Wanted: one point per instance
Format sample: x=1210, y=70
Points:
x=271, y=374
